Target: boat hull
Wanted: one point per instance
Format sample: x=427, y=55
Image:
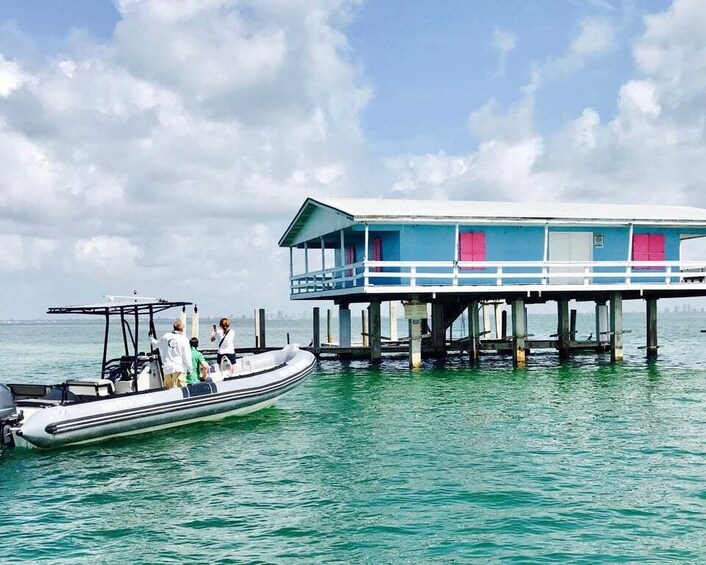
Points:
x=144, y=412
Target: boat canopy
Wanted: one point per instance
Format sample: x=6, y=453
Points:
x=120, y=305
x=126, y=308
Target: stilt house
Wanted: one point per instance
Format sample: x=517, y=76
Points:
x=456, y=252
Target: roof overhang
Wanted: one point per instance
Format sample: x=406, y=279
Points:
x=291, y=238
x=433, y=212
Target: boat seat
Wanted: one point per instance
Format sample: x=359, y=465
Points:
x=38, y=403
x=98, y=387
x=22, y=391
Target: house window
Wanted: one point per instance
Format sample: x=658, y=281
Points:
x=648, y=247
x=376, y=254
x=472, y=247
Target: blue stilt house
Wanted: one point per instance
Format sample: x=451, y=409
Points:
x=389, y=249
x=455, y=255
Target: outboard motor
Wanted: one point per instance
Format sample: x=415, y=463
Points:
x=8, y=410
x=8, y=416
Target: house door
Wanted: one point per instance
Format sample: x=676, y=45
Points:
x=574, y=246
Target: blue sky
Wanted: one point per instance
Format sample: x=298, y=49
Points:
x=135, y=133
x=432, y=62
x=429, y=63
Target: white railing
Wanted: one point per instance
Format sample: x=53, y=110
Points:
x=404, y=274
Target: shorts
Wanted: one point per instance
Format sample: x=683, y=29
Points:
x=229, y=356
x=174, y=380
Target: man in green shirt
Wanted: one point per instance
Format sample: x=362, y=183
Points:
x=199, y=367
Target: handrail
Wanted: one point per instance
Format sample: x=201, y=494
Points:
x=496, y=273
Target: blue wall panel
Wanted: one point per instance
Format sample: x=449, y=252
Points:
x=503, y=243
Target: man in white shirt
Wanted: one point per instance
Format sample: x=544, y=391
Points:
x=175, y=351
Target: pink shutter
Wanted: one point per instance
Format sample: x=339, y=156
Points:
x=648, y=247
x=471, y=247
x=478, y=246
x=377, y=253
x=350, y=258
x=656, y=250
x=641, y=247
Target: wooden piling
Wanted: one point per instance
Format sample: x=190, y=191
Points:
x=438, y=331
x=616, y=327
x=364, y=327
x=262, y=334
x=316, y=340
x=344, y=325
x=473, y=332
x=375, y=333
x=563, y=328
x=651, y=333
x=519, y=333
x=503, y=324
x=572, y=324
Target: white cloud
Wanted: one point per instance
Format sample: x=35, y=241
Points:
x=504, y=42
x=210, y=114
x=101, y=255
x=652, y=150
x=20, y=253
x=10, y=76
x=596, y=38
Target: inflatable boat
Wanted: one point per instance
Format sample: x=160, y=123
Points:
x=129, y=398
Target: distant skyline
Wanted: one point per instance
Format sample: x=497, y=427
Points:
x=165, y=146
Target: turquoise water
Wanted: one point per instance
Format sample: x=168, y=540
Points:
x=580, y=462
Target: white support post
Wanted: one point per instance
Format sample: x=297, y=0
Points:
x=415, y=343
x=628, y=278
x=602, y=323
x=344, y=326
x=519, y=332
x=486, y=320
x=365, y=256
x=616, y=327
x=323, y=255
x=257, y=329
x=499, y=320
x=343, y=258
x=545, y=255
x=393, y=320
x=455, y=270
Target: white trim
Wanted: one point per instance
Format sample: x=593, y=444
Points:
x=323, y=254
x=306, y=257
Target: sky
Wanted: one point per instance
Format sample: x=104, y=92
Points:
x=165, y=146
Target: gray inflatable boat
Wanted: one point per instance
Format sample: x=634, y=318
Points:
x=129, y=398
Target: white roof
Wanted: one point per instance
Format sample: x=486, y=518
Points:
x=368, y=209
x=307, y=225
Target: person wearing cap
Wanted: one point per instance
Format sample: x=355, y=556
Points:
x=175, y=353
